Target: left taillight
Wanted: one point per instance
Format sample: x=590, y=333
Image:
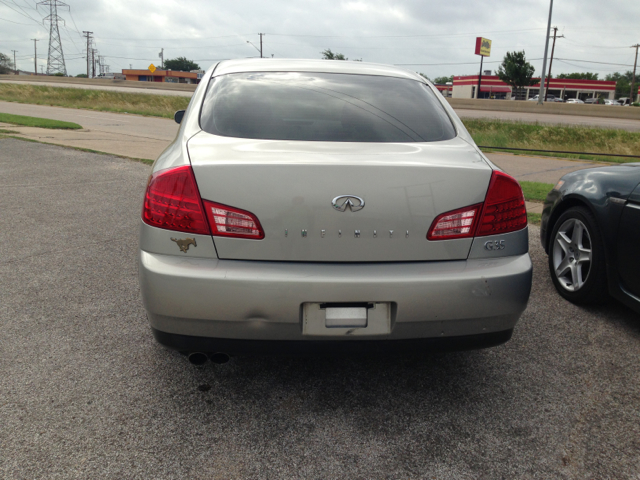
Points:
x=172, y=202
x=228, y=221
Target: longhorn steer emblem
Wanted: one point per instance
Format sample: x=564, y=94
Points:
x=184, y=243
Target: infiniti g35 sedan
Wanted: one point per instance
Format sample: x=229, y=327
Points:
x=321, y=206
x=591, y=231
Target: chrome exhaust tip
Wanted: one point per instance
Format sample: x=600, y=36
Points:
x=197, y=358
x=219, y=358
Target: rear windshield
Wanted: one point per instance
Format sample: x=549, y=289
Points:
x=325, y=107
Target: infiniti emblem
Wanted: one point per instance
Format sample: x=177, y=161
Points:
x=351, y=202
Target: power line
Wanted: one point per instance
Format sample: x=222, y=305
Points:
x=408, y=36
x=590, y=61
x=460, y=63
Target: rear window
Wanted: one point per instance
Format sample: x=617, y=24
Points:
x=325, y=107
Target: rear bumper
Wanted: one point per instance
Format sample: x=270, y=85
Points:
x=248, y=300
x=188, y=343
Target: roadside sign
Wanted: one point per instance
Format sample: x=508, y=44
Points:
x=152, y=68
x=483, y=46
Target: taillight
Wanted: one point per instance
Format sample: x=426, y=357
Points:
x=455, y=224
x=232, y=222
x=173, y=202
x=504, y=208
x=503, y=211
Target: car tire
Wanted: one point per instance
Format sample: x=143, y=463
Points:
x=576, y=258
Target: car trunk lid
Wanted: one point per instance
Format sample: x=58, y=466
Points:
x=290, y=186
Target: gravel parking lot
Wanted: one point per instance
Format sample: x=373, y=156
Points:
x=85, y=392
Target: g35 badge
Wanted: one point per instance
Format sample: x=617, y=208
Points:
x=494, y=245
x=184, y=243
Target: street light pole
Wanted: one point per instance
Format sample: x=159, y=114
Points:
x=544, y=60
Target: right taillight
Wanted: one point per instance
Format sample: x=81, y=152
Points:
x=504, y=209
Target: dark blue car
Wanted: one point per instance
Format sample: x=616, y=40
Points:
x=591, y=232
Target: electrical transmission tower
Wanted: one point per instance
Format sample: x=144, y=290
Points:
x=55, y=60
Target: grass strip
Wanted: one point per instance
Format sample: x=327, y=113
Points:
x=534, y=218
x=535, y=191
x=37, y=122
x=2, y=130
x=101, y=100
x=555, y=137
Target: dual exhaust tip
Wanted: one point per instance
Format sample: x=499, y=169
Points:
x=200, y=358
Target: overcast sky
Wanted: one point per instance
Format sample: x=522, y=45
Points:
x=436, y=38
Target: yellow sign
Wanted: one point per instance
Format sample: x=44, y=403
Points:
x=152, y=68
x=483, y=46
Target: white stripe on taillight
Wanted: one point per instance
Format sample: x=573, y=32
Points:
x=228, y=221
x=456, y=224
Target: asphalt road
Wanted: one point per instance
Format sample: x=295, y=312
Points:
x=86, y=393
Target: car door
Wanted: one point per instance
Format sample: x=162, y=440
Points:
x=629, y=244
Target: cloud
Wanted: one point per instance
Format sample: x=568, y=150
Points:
x=436, y=38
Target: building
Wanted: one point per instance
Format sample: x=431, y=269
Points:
x=168, y=76
x=493, y=87
x=444, y=89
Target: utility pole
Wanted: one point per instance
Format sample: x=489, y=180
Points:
x=15, y=65
x=55, y=59
x=544, y=60
x=161, y=55
x=93, y=62
x=633, y=93
x=35, y=55
x=261, y=34
x=88, y=35
x=553, y=48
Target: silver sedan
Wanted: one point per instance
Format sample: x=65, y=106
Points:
x=326, y=206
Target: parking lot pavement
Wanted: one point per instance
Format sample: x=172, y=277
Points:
x=86, y=393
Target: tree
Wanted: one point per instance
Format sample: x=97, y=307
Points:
x=443, y=80
x=81, y=75
x=329, y=55
x=516, y=71
x=623, y=82
x=181, y=64
x=578, y=76
x=6, y=65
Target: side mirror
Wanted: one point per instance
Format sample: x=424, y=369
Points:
x=178, y=116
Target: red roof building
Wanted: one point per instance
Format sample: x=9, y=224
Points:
x=168, y=76
x=493, y=87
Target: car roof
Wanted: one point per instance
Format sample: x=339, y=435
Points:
x=318, y=66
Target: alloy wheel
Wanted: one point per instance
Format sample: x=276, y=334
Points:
x=572, y=254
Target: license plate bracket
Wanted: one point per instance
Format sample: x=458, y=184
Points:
x=346, y=319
